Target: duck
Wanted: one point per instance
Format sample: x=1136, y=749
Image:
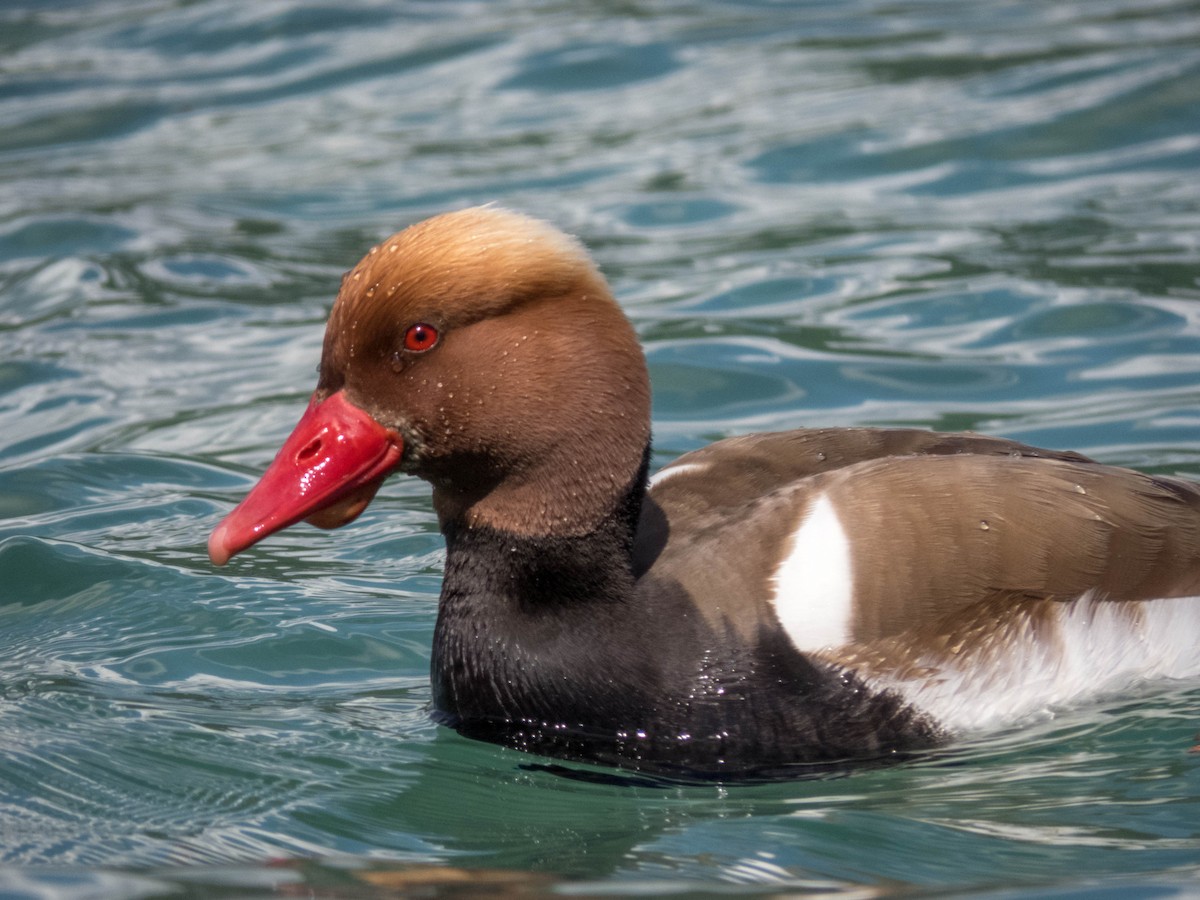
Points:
x=769, y=603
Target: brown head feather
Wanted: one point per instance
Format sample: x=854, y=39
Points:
x=523, y=316
x=457, y=268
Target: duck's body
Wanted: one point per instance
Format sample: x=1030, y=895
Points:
x=771, y=600
x=558, y=646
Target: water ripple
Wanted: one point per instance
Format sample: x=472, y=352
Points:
x=947, y=215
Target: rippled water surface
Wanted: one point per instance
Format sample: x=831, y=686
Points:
x=947, y=214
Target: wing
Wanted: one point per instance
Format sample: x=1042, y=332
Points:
x=862, y=534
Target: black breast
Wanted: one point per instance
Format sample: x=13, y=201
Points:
x=550, y=645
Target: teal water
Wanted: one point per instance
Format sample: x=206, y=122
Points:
x=945, y=214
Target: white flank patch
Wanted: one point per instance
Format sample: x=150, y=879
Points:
x=814, y=584
x=1090, y=648
x=671, y=471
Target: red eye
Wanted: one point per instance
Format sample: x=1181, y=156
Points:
x=420, y=337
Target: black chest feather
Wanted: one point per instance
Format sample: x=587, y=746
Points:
x=550, y=645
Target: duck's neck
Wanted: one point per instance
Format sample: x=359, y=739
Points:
x=529, y=625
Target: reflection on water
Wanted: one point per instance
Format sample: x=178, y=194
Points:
x=949, y=215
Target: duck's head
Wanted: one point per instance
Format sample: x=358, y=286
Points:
x=482, y=351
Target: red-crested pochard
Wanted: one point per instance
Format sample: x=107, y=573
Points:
x=770, y=600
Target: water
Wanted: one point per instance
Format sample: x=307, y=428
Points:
x=953, y=215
